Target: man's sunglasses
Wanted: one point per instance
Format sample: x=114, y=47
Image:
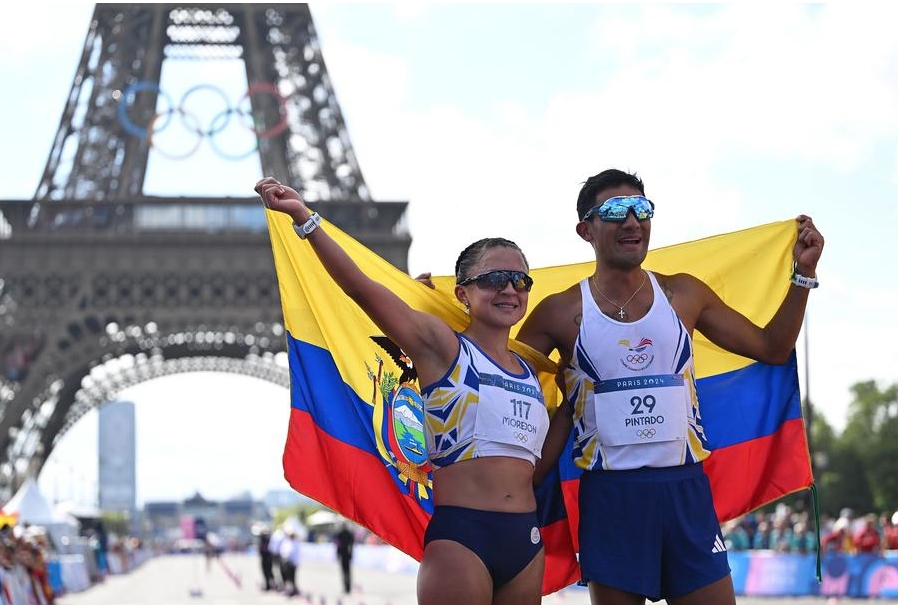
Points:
x=615, y=209
x=498, y=279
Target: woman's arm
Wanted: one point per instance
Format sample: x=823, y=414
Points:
x=426, y=338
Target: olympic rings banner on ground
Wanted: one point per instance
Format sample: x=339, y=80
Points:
x=186, y=113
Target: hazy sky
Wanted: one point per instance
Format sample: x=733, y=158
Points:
x=488, y=118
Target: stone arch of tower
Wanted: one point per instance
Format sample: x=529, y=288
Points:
x=92, y=270
x=103, y=382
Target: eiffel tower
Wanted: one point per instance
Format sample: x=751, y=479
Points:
x=103, y=287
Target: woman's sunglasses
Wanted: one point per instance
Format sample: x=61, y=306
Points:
x=498, y=279
x=615, y=209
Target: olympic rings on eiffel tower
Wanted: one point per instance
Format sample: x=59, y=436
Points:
x=162, y=119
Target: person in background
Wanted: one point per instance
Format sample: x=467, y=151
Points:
x=781, y=534
x=838, y=539
x=867, y=538
x=265, y=558
x=889, y=531
x=289, y=552
x=735, y=536
x=274, y=547
x=345, y=541
x=102, y=547
x=804, y=539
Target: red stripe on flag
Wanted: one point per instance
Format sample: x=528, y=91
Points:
x=364, y=491
x=562, y=568
x=752, y=473
x=570, y=489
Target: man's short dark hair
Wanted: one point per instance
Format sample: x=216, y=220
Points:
x=598, y=183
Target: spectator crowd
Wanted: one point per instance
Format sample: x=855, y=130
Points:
x=24, y=577
x=788, y=531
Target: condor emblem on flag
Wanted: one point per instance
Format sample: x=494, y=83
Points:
x=398, y=422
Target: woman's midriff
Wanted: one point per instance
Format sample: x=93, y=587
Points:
x=495, y=483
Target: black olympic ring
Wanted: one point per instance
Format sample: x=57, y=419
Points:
x=637, y=358
x=521, y=437
x=645, y=433
x=241, y=109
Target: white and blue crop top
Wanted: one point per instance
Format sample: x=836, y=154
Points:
x=479, y=409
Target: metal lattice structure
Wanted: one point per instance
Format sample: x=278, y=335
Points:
x=103, y=287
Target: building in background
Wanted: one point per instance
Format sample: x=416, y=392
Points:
x=285, y=498
x=117, y=476
x=172, y=526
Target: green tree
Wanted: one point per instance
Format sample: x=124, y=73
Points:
x=843, y=485
x=300, y=511
x=828, y=461
x=858, y=468
x=116, y=523
x=872, y=433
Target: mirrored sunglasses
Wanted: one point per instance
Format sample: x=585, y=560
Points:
x=498, y=279
x=615, y=209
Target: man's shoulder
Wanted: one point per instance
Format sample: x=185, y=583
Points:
x=678, y=281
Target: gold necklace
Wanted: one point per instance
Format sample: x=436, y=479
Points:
x=620, y=313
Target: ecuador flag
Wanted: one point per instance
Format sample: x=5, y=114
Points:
x=355, y=441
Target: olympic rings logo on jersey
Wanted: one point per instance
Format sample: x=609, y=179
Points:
x=645, y=433
x=637, y=357
x=253, y=123
x=522, y=437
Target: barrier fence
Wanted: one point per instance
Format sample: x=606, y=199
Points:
x=766, y=573
x=755, y=572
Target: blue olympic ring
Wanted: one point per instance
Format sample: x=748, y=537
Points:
x=162, y=118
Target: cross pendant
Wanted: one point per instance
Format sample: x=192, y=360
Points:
x=621, y=313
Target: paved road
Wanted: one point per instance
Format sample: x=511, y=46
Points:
x=234, y=580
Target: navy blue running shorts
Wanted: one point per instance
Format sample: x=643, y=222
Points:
x=650, y=531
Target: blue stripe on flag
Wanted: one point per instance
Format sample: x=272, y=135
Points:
x=317, y=387
x=748, y=403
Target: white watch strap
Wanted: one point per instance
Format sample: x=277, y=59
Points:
x=304, y=230
x=804, y=282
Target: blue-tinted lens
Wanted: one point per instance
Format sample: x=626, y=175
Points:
x=615, y=209
x=497, y=280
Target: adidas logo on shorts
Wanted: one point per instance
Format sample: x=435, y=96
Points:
x=719, y=546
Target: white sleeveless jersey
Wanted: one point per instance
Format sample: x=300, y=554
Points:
x=479, y=409
x=632, y=390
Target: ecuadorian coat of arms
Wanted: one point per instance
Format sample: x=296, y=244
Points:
x=398, y=422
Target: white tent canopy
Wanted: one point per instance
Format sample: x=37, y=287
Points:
x=322, y=517
x=30, y=505
x=32, y=509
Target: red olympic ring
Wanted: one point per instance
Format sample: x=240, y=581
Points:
x=263, y=87
x=191, y=122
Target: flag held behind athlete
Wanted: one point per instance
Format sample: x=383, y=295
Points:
x=355, y=439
